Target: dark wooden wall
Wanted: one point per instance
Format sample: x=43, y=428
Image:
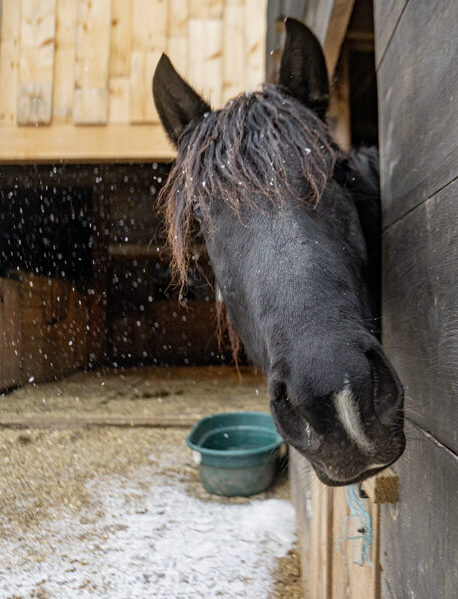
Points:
x=416, y=59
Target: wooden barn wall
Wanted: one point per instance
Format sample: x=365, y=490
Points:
x=75, y=75
x=416, y=56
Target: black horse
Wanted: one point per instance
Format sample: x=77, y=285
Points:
x=291, y=225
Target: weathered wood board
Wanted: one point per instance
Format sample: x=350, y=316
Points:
x=9, y=61
x=64, y=61
x=36, y=64
x=419, y=535
x=386, y=17
x=92, y=62
x=418, y=91
x=420, y=319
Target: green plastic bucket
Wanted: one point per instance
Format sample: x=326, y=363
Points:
x=238, y=452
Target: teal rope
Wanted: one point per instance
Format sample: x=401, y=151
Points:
x=359, y=511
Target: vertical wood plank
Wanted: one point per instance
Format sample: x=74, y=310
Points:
x=149, y=41
x=206, y=9
x=350, y=580
x=119, y=100
x=121, y=37
x=92, y=62
x=205, y=58
x=177, y=35
x=141, y=105
x=38, y=29
x=255, y=36
x=233, y=50
x=149, y=25
x=9, y=61
x=321, y=540
x=64, y=61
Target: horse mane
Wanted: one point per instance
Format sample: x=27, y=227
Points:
x=241, y=154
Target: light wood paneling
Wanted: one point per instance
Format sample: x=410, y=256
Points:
x=321, y=540
x=64, y=61
x=234, y=51
x=82, y=144
x=121, y=37
x=149, y=25
x=206, y=9
x=350, y=580
x=255, y=35
x=177, y=35
x=119, y=100
x=87, y=62
x=36, y=64
x=205, y=58
x=9, y=61
x=92, y=62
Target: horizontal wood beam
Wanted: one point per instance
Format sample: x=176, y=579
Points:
x=84, y=144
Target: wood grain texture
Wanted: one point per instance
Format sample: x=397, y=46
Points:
x=418, y=91
x=9, y=61
x=234, y=50
x=178, y=15
x=206, y=58
x=141, y=107
x=119, y=100
x=84, y=144
x=36, y=65
x=321, y=539
x=420, y=319
x=386, y=16
x=301, y=494
x=419, y=536
x=206, y=9
x=255, y=36
x=121, y=37
x=92, y=62
x=349, y=579
x=177, y=35
x=149, y=27
x=64, y=61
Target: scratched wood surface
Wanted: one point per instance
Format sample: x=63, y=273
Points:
x=75, y=64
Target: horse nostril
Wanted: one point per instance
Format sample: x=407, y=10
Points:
x=387, y=390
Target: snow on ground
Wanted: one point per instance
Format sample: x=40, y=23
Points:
x=151, y=540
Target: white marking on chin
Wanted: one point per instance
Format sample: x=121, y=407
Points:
x=348, y=414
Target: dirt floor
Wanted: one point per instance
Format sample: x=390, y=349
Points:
x=120, y=512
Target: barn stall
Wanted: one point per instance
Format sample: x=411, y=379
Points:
x=86, y=290
x=104, y=368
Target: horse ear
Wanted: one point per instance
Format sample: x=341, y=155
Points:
x=303, y=69
x=176, y=102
